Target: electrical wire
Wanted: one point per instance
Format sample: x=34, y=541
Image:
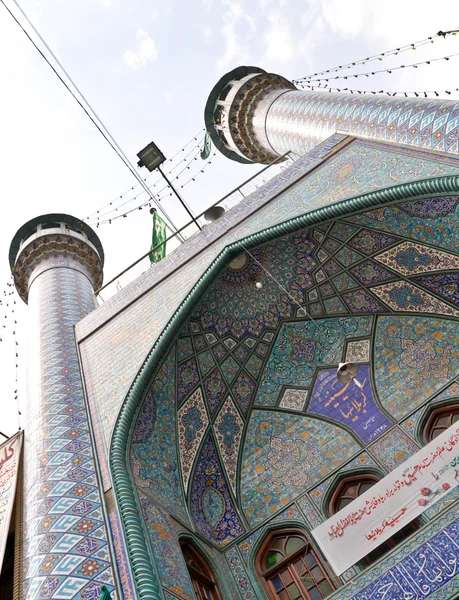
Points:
x=393, y=52
x=94, y=119
x=355, y=91
x=120, y=196
x=389, y=70
x=133, y=198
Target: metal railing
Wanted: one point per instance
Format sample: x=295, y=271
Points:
x=190, y=229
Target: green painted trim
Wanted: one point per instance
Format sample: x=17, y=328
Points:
x=146, y=584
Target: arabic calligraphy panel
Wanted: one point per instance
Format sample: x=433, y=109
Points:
x=349, y=404
x=420, y=574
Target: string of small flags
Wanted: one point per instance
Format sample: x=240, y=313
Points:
x=159, y=198
x=8, y=301
x=390, y=70
x=195, y=138
x=382, y=55
x=418, y=94
x=186, y=159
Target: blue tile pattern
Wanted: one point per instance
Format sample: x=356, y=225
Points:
x=154, y=435
x=349, y=404
x=283, y=455
x=301, y=347
x=168, y=556
x=417, y=354
x=65, y=539
x=212, y=508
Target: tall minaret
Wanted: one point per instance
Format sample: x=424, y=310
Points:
x=57, y=263
x=254, y=116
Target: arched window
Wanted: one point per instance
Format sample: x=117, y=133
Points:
x=290, y=569
x=200, y=573
x=350, y=488
x=439, y=420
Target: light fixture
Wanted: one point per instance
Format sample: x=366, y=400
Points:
x=213, y=213
x=348, y=372
x=151, y=157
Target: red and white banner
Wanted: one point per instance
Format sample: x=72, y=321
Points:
x=10, y=453
x=391, y=503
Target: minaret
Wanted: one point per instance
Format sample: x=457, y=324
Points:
x=254, y=116
x=57, y=264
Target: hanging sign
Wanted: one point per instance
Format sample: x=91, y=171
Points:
x=10, y=453
x=391, y=503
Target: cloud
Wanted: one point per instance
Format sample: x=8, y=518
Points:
x=236, y=22
x=145, y=51
x=278, y=39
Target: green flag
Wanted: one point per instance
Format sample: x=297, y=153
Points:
x=159, y=236
x=105, y=594
x=206, y=149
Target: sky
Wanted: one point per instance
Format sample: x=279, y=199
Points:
x=147, y=67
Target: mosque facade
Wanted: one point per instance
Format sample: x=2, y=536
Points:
x=187, y=437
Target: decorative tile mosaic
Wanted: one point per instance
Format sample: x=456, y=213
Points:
x=214, y=390
x=334, y=306
x=298, y=350
x=289, y=514
x=443, y=284
x=229, y=369
x=360, y=301
x=349, y=403
x=330, y=245
x=307, y=508
x=187, y=378
x=403, y=296
x=168, y=556
x=326, y=289
x=427, y=222
x=348, y=257
x=437, y=507
x=414, y=358
x=153, y=437
x=122, y=564
x=184, y=348
x=294, y=399
x=241, y=353
x=225, y=308
x=342, y=231
x=254, y=365
x=362, y=460
x=206, y=362
x=450, y=392
x=430, y=568
x=228, y=431
x=242, y=390
x=393, y=448
x=192, y=425
x=344, y=282
x=144, y=307
x=410, y=424
x=368, y=241
x=212, y=509
x=284, y=453
x=199, y=343
x=66, y=554
x=410, y=259
x=332, y=267
x=358, y=351
x=322, y=255
x=247, y=544
x=240, y=574
x=318, y=493
x=368, y=272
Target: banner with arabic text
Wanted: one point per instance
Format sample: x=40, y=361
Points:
x=10, y=453
x=391, y=503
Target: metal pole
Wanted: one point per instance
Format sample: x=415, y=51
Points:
x=182, y=202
